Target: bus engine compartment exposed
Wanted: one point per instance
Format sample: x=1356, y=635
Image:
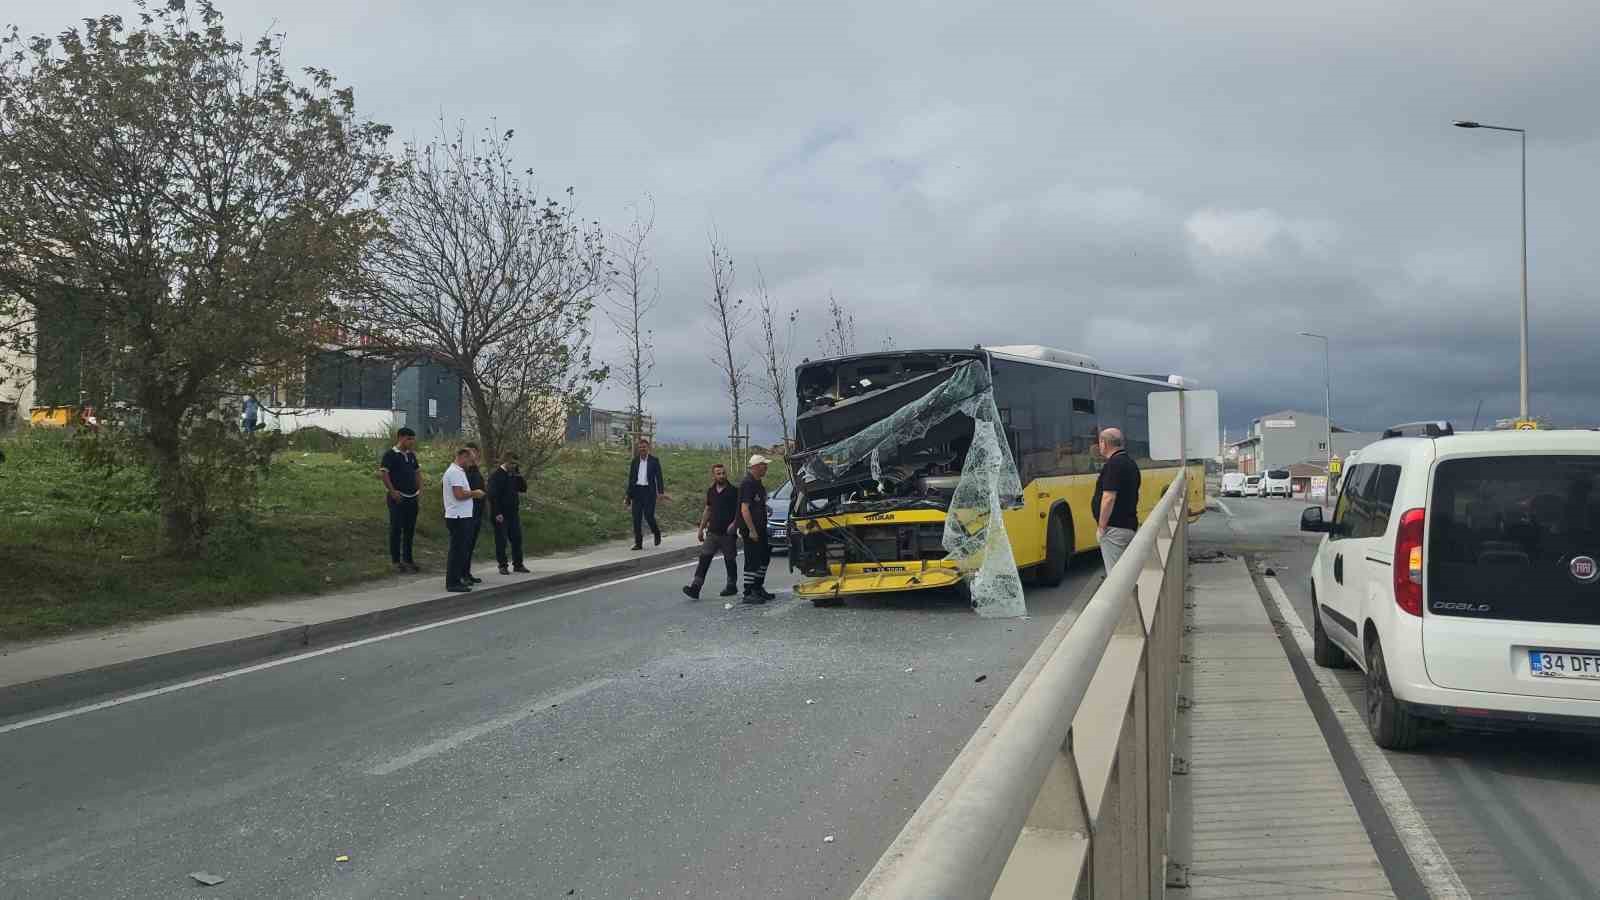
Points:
x=901, y=461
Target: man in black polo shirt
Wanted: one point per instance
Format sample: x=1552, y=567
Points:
x=1116, y=498
x=402, y=477
x=753, y=526
x=717, y=524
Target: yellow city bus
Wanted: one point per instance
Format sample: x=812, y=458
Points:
x=882, y=447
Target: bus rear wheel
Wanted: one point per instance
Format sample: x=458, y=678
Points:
x=1057, y=551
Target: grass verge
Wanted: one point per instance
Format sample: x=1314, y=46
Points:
x=320, y=525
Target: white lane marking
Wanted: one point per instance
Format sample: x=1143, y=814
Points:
x=312, y=654
x=1433, y=867
x=446, y=744
x=1224, y=507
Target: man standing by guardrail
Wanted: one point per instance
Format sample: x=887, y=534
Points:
x=1116, y=498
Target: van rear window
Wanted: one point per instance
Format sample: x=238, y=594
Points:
x=1516, y=537
x=1278, y=474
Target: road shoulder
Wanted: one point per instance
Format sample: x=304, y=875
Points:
x=55, y=673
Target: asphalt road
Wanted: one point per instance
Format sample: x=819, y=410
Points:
x=1517, y=814
x=620, y=742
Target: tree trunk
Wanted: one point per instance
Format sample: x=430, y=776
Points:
x=488, y=435
x=179, y=536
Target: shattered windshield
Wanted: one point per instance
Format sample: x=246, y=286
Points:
x=945, y=448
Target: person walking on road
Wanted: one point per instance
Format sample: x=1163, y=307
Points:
x=1116, y=498
x=458, y=497
x=753, y=527
x=645, y=486
x=402, y=477
x=506, y=485
x=475, y=482
x=717, y=523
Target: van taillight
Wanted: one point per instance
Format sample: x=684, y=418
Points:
x=1408, y=562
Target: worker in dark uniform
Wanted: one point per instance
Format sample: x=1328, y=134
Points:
x=506, y=487
x=402, y=477
x=753, y=527
x=476, y=482
x=717, y=523
x=645, y=486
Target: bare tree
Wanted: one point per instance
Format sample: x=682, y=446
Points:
x=635, y=291
x=729, y=316
x=474, y=272
x=839, y=334
x=776, y=350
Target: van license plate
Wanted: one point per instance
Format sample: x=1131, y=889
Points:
x=1562, y=664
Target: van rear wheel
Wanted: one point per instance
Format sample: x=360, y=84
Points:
x=1392, y=726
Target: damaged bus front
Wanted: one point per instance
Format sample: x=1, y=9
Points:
x=902, y=477
x=959, y=468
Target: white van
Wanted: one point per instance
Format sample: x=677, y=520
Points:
x=1460, y=573
x=1276, y=484
x=1252, y=486
x=1233, y=484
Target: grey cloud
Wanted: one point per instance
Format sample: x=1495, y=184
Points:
x=1169, y=186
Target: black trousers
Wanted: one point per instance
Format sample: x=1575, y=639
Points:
x=402, y=528
x=508, y=532
x=757, y=554
x=472, y=541
x=460, y=545
x=709, y=548
x=644, y=511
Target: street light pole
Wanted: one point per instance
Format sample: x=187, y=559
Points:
x=1327, y=407
x=1523, y=405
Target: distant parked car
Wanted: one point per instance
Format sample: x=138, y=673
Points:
x=1233, y=484
x=1252, y=486
x=1277, y=484
x=778, y=517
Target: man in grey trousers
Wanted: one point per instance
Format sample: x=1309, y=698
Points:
x=1116, y=498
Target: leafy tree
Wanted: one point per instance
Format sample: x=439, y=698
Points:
x=197, y=202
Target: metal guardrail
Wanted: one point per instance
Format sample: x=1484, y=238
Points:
x=1066, y=788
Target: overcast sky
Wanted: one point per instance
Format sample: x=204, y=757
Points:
x=1168, y=186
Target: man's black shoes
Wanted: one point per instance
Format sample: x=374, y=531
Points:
x=692, y=591
x=729, y=591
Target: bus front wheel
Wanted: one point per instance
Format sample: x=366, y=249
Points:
x=1057, y=551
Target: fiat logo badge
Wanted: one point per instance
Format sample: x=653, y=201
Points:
x=1584, y=569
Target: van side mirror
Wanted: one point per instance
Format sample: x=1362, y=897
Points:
x=1311, y=520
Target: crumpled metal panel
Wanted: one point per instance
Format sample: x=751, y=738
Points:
x=975, y=532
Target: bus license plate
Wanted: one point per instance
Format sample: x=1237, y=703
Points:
x=1563, y=664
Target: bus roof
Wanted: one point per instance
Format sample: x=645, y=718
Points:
x=981, y=352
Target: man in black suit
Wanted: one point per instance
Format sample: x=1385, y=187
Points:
x=645, y=486
x=506, y=486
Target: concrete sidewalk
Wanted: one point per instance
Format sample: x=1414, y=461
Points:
x=1270, y=813
x=36, y=675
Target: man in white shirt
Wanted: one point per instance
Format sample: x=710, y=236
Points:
x=458, y=497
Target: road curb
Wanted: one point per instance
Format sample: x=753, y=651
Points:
x=30, y=697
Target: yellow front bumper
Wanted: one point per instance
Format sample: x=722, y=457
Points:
x=857, y=580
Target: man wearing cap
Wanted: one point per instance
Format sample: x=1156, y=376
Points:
x=753, y=526
x=402, y=477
